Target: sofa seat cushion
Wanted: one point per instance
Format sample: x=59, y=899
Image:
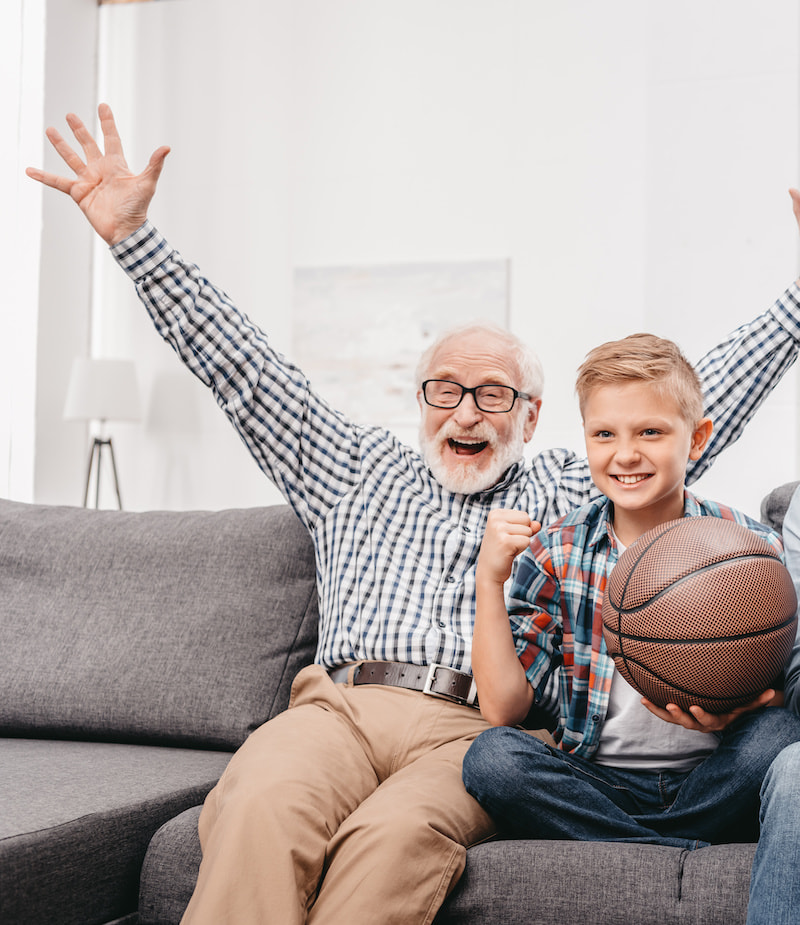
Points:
x=170, y=869
x=601, y=883
x=179, y=627
x=76, y=819
x=508, y=882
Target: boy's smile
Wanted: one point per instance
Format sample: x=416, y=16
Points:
x=638, y=444
x=631, y=479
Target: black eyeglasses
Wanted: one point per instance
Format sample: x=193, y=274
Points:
x=493, y=399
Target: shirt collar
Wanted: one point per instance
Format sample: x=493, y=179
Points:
x=510, y=476
x=601, y=531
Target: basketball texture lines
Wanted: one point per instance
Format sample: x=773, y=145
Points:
x=700, y=611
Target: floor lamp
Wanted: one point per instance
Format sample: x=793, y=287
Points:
x=102, y=390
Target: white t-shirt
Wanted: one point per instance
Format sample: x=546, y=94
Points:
x=632, y=737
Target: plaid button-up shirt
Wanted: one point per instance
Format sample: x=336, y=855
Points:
x=555, y=604
x=395, y=551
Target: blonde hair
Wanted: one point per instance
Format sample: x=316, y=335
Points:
x=643, y=358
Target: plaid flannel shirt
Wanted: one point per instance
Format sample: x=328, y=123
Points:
x=555, y=604
x=395, y=552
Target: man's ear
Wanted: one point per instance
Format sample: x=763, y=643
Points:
x=532, y=418
x=700, y=437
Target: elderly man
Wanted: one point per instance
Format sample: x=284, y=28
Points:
x=350, y=805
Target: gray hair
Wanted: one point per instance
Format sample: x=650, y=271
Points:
x=528, y=367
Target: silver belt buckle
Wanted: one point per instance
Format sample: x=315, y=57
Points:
x=427, y=687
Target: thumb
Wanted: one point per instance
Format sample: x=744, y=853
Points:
x=156, y=162
x=795, y=194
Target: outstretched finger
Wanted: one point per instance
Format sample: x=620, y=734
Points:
x=53, y=180
x=111, y=140
x=84, y=137
x=70, y=157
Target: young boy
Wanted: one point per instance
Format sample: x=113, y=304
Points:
x=624, y=769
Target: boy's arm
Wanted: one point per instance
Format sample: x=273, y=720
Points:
x=504, y=694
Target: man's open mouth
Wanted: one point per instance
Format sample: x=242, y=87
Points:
x=463, y=448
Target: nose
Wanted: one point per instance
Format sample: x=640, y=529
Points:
x=627, y=452
x=467, y=412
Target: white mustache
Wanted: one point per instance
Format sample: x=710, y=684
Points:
x=481, y=432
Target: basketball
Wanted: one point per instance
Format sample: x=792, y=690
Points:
x=700, y=611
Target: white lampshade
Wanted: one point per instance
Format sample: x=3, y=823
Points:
x=102, y=390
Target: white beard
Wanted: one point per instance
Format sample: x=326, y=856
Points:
x=466, y=478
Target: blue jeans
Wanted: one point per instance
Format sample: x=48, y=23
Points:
x=535, y=791
x=775, y=881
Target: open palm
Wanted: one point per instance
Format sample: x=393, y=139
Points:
x=111, y=196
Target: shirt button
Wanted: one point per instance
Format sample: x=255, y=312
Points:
x=449, y=579
x=596, y=718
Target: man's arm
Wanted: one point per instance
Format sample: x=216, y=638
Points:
x=741, y=371
x=306, y=448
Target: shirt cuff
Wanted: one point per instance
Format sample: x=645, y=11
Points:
x=141, y=252
x=787, y=311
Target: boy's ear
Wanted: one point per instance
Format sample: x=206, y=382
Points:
x=700, y=437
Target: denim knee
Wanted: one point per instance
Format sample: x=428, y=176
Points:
x=782, y=780
x=478, y=759
x=496, y=760
x=762, y=735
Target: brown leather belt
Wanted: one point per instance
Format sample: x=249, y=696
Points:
x=434, y=680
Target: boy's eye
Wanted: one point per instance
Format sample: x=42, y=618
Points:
x=651, y=432
x=603, y=434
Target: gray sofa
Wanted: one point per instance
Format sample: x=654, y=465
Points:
x=139, y=651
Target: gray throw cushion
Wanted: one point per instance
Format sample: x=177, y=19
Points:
x=178, y=627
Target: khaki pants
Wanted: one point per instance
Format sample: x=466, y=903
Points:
x=347, y=808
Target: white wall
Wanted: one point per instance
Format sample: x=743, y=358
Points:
x=65, y=280
x=630, y=159
x=22, y=52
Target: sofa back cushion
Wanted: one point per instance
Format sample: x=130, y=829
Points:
x=776, y=503
x=160, y=627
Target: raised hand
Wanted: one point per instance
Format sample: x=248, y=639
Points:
x=113, y=199
x=507, y=534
